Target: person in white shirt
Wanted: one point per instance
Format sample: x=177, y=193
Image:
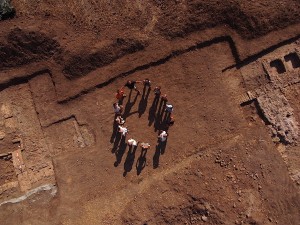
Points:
x=123, y=130
x=132, y=142
x=162, y=136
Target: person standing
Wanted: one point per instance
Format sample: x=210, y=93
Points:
x=164, y=98
x=171, y=121
x=132, y=142
x=147, y=83
x=118, y=109
x=145, y=146
x=162, y=137
x=123, y=130
x=131, y=84
x=120, y=120
x=169, y=108
x=157, y=91
x=120, y=95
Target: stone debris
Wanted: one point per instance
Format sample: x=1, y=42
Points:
x=277, y=110
x=6, y=111
x=2, y=135
x=204, y=218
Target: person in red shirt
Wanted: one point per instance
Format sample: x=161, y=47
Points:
x=120, y=95
x=164, y=97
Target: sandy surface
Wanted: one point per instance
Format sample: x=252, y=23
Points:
x=225, y=160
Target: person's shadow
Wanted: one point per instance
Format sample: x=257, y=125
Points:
x=152, y=110
x=129, y=106
x=144, y=100
x=167, y=117
x=156, y=156
x=160, y=150
x=159, y=115
x=115, y=130
x=129, y=160
x=120, y=152
x=141, y=161
x=116, y=142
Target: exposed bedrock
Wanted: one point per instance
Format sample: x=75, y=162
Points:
x=277, y=110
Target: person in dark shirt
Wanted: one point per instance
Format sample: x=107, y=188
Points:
x=131, y=85
x=147, y=82
x=164, y=98
x=157, y=91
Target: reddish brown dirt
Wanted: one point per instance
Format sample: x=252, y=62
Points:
x=7, y=171
x=60, y=65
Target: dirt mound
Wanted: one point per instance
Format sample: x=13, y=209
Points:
x=169, y=18
x=24, y=47
x=84, y=63
x=248, y=19
x=193, y=211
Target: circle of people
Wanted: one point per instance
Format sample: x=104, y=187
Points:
x=118, y=109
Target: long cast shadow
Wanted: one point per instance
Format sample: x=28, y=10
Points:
x=160, y=150
x=120, y=152
x=152, y=111
x=156, y=156
x=116, y=142
x=129, y=160
x=141, y=162
x=158, y=125
x=144, y=100
x=115, y=130
x=129, y=105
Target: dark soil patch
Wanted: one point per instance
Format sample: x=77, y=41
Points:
x=83, y=63
x=249, y=19
x=24, y=47
x=7, y=171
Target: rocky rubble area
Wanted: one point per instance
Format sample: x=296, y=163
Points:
x=276, y=109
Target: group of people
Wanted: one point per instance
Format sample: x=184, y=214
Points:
x=118, y=110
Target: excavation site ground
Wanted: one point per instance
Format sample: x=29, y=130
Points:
x=231, y=69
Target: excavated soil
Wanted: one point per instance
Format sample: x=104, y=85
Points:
x=231, y=69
